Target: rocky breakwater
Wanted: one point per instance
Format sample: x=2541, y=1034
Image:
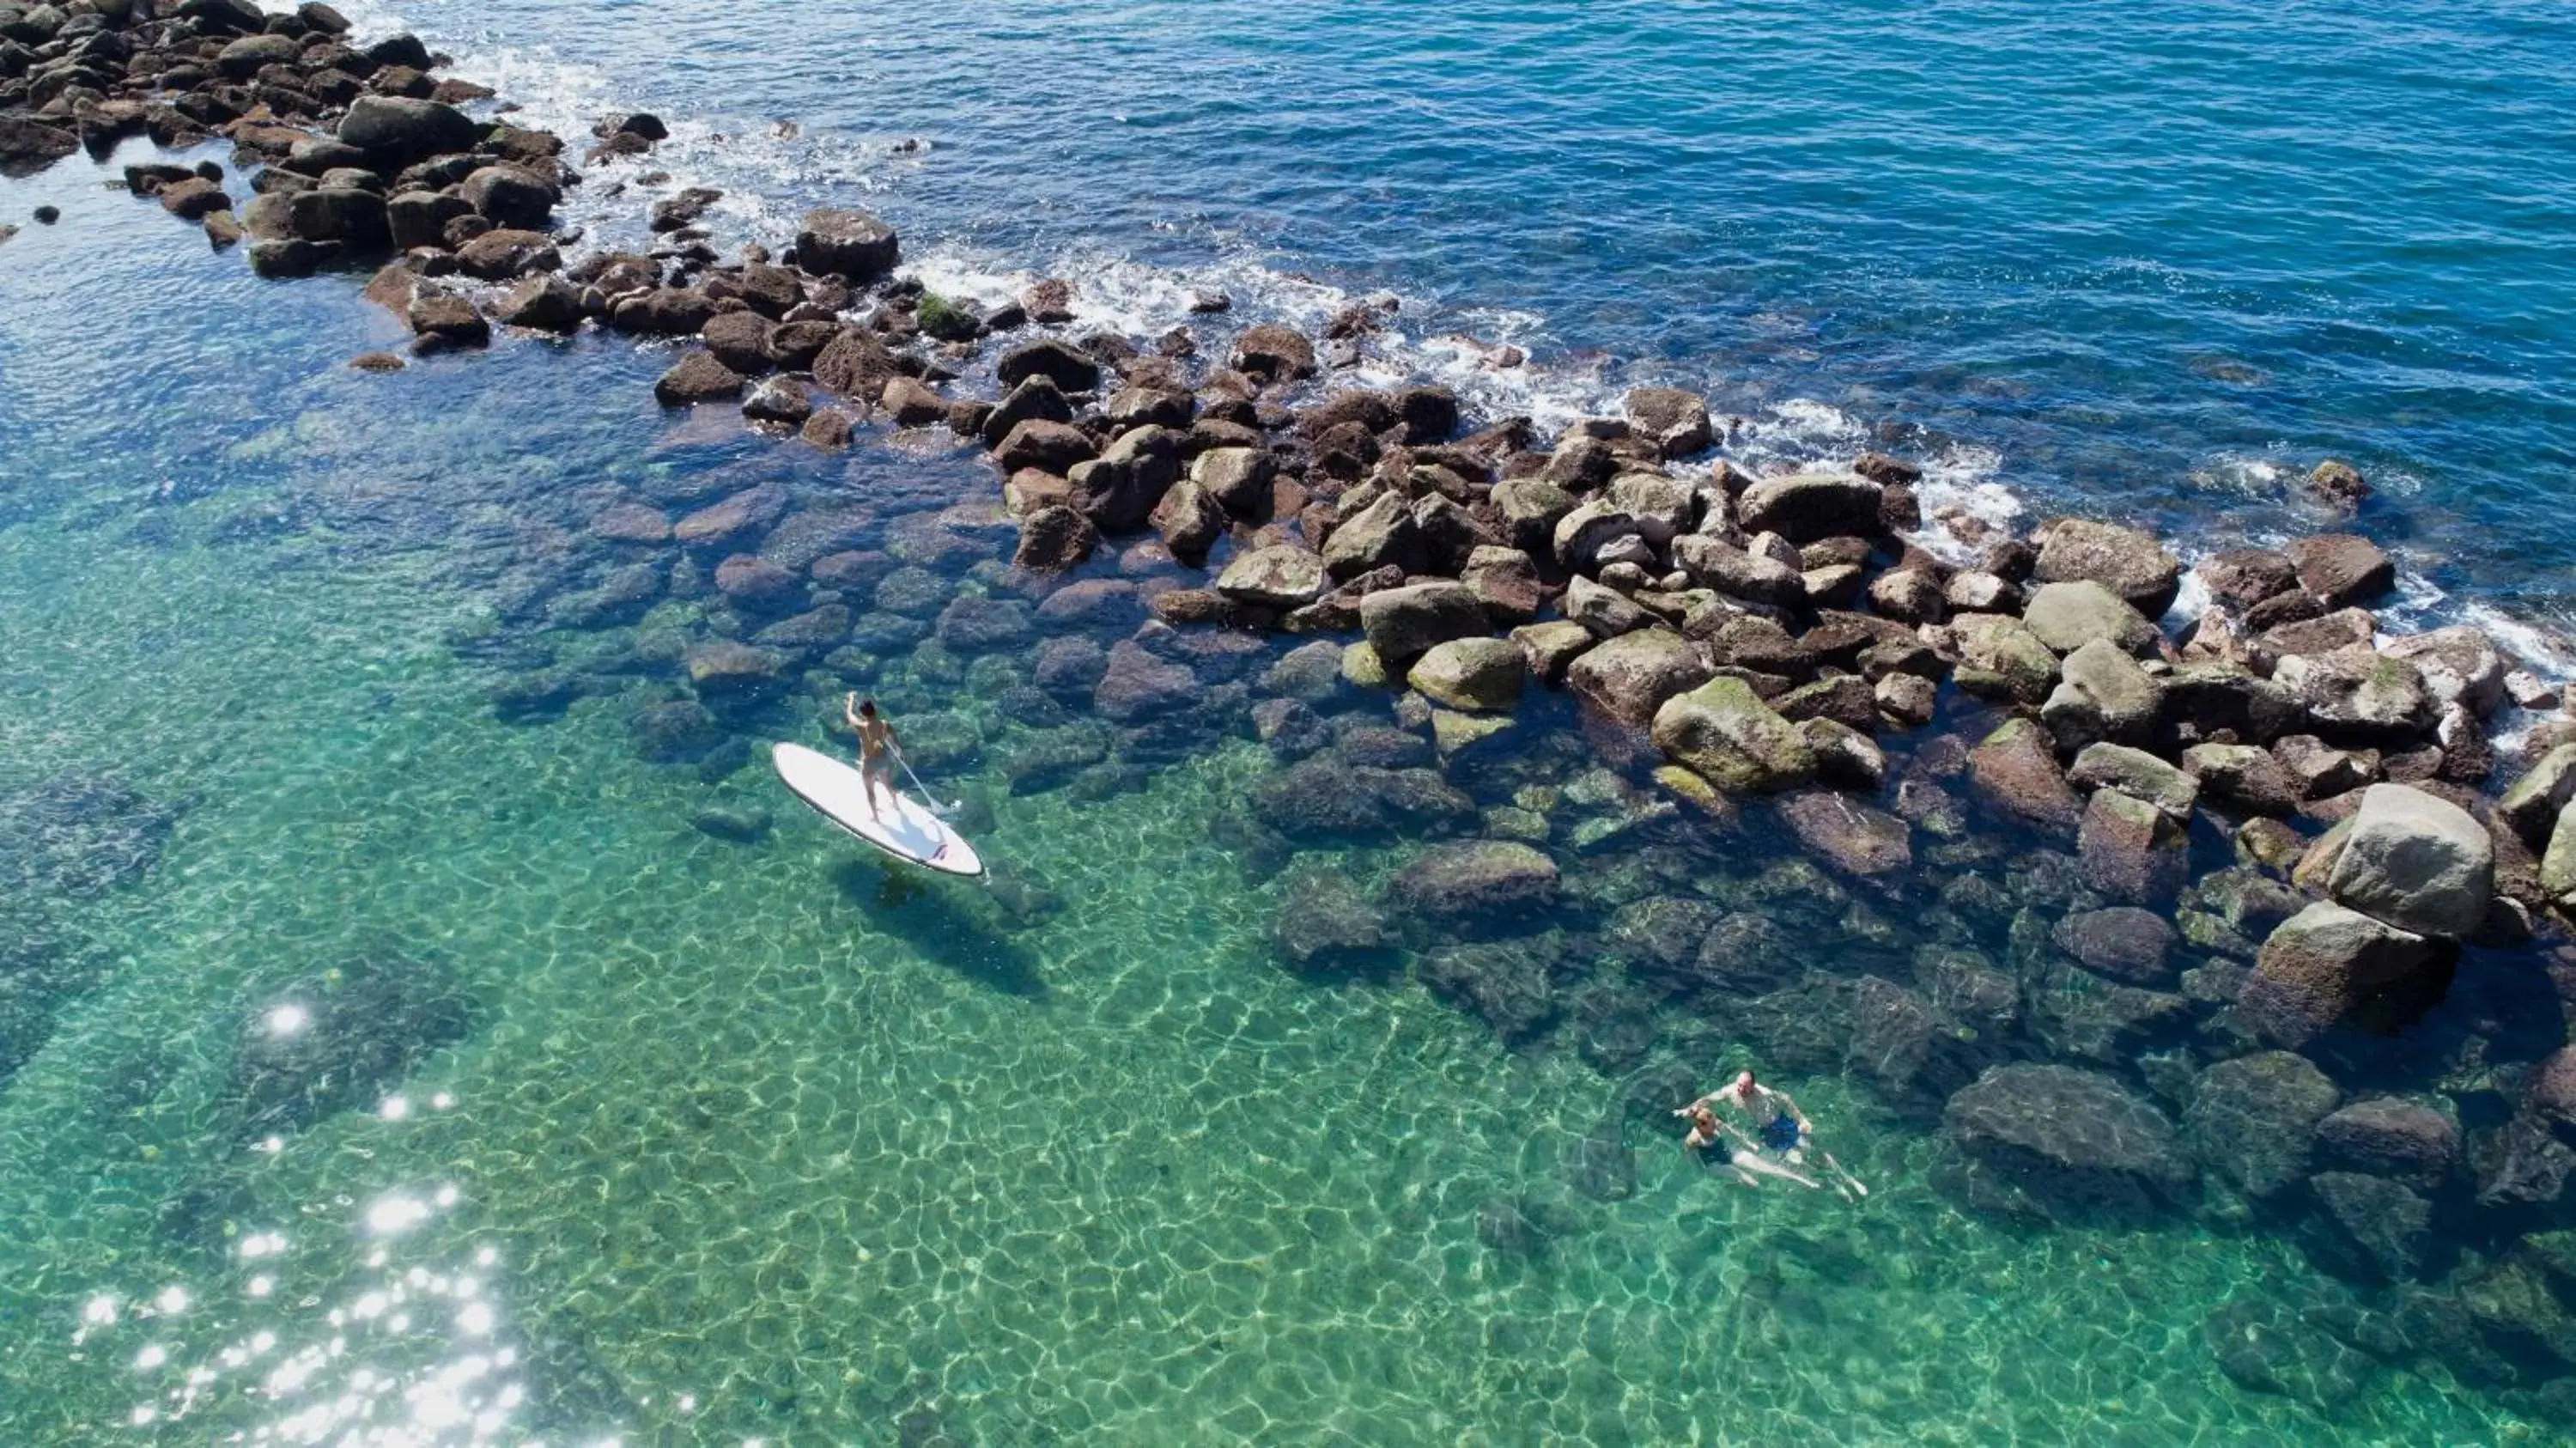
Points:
x=1662, y=758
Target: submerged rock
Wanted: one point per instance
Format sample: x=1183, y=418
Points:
x=1509, y=984
x=1327, y=924
x=2069, y=1140
x=339, y=1040
x=2253, y=1120
x=1475, y=881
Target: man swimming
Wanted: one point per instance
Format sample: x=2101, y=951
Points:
x=1707, y=1141
x=1774, y=1124
x=877, y=743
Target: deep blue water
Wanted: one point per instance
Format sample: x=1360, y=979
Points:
x=2145, y=259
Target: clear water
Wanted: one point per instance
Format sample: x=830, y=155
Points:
x=754, y=1142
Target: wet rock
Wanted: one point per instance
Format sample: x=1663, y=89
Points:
x=2244, y=577
x=1508, y=984
x=1551, y=648
x=396, y=131
x=2102, y=696
x=1675, y=422
x=1273, y=353
x=697, y=377
x=2391, y=1136
x=544, y=303
x=1804, y=507
x=1327, y=925
x=2014, y=770
x=2001, y=658
x=2532, y=806
x=2342, y=569
x=1849, y=836
x=511, y=196
x=2253, y=1120
x=1138, y=686
x=781, y=400
x=1403, y=623
x=2066, y=615
x=1054, y=538
x=1239, y=478
x=1052, y=447
x=2129, y=850
x=2244, y=776
x=2069, y=1140
x=2355, y=694
x=2460, y=666
x=1723, y=732
x=1471, y=674
x=2416, y=862
x=2139, y=775
x=340, y=1040
x=2328, y=965
x=2267, y=1347
x=1631, y=676
x=2129, y=563
x=849, y=244
x=2124, y=943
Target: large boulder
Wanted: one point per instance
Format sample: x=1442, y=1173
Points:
x=2001, y=659
x=1044, y=444
x=1404, y=623
x=1723, y=732
x=1280, y=576
x=2253, y=1120
x=1475, y=881
x=2355, y=694
x=1380, y=535
x=2102, y=694
x=1273, y=353
x=2014, y=770
x=2460, y=665
x=2417, y=862
x=852, y=244
x=2128, y=849
x=2128, y=562
x=2244, y=776
x=2328, y=965
x=512, y=196
x=2531, y=807
x=1674, y=421
x=2069, y=1140
x=2138, y=774
x=1804, y=507
x=1477, y=674
x=2069, y=613
x=396, y=131
x=2342, y=569
x=1121, y=488
x=1069, y=367
x=1630, y=677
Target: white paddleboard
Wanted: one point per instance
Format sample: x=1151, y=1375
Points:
x=902, y=826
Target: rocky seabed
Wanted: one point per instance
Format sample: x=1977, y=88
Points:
x=2252, y=921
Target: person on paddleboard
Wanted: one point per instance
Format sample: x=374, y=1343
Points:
x=877, y=744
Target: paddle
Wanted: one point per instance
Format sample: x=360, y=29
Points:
x=932, y=800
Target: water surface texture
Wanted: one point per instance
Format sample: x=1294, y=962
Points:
x=378, y=1065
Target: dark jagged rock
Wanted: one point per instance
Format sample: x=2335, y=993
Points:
x=850, y=244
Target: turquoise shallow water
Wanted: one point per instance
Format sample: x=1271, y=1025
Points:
x=690, y=1141
x=650, y=1134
